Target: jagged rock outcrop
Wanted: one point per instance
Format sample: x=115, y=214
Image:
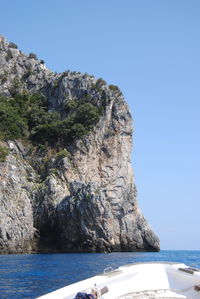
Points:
x=82, y=202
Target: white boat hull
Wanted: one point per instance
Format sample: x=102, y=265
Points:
x=142, y=280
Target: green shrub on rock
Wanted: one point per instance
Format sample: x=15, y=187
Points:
x=27, y=117
x=32, y=56
x=87, y=114
x=12, y=45
x=12, y=125
x=115, y=89
x=71, y=105
x=82, y=116
x=77, y=131
x=63, y=154
x=100, y=82
x=3, y=153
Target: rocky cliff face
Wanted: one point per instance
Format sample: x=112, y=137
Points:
x=84, y=201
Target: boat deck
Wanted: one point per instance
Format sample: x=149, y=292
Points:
x=142, y=281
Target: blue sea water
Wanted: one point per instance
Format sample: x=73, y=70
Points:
x=30, y=276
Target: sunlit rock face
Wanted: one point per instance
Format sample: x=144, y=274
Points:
x=84, y=202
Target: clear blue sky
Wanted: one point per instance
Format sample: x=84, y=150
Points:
x=151, y=50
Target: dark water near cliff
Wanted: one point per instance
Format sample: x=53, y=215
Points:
x=29, y=276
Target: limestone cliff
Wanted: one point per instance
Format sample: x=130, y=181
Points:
x=84, y=200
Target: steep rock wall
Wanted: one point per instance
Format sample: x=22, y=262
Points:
x=85, y=202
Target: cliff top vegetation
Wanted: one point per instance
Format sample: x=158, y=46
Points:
x=27, y=117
